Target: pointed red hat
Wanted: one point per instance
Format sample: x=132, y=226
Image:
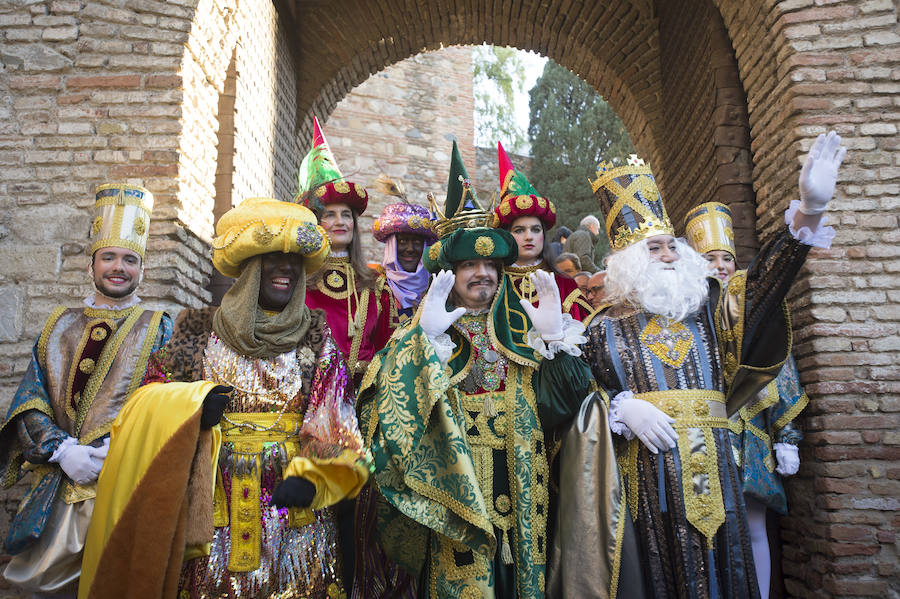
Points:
x=518, y=197
x=320, y=181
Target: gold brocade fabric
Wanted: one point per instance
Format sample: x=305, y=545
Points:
x=259, y=550
x=591, y=512
x=247, y=434
x=696, y=413
x=93, y=360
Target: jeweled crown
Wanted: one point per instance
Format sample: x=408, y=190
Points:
x=631, y=202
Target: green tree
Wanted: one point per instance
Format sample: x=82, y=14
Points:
x=571, y=130
x=498, y=77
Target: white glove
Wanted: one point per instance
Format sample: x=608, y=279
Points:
x=435, y=319
x=547, y=317
x=648, y=423
x=819, y=173
x=81, y=463
x=788, y=457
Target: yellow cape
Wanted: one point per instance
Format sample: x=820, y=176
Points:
x=136, y=541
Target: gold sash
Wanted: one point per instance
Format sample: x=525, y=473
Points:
x=245, y=514
x=696, y=412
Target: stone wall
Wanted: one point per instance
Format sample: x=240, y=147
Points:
x=130, y=89
x=402, y=122
x=92, y=92
x=807, y=67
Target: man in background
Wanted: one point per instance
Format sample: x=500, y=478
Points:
x=568, y=264
x=582, y=242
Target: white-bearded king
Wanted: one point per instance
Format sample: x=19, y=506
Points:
x=677, y=352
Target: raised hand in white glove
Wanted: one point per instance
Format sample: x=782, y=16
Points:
x=435, y=319
x=81, y=463
x=547, y=317
x=648, y=423
x=788, y=457
x=819, y=173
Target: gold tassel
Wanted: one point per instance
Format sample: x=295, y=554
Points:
x=505, y=551
x=489, y=410
x=352, y=319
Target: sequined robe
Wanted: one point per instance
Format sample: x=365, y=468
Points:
x=461, y=461
x=83, y=368
x=758, y=425
x=688, y=503
x=573, y=301
x=367, y=311
x=307, y=410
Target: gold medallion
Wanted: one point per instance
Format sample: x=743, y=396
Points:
x=484, y=246
x=334, y=280
x=670, y=341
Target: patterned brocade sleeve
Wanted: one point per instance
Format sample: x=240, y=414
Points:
x=769, y=278
x=791, y=401
x=753, y=324
x=29, y=432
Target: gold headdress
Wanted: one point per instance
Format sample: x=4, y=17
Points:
x=263, y=225
x=122, y=217
x=629, y=198
x=708, y=227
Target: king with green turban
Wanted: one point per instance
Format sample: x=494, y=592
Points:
x=457, y=410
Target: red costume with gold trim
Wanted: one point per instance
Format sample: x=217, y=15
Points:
x=519, y=198
x=341, y=303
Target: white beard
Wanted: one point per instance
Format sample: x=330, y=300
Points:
x=675, y=290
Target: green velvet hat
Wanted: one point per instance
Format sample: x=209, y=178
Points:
x=476, y=243
x=463, y=229
x=461, y=206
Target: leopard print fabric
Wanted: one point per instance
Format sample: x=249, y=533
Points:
x=184, y=352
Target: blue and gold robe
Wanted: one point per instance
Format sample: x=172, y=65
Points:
x=687, y=503
x=84, y=366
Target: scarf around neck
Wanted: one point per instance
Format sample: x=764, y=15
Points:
x=407, y=287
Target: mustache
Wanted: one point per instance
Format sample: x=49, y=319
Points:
x=480, y=281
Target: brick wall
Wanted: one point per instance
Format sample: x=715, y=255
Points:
x=807, y=67
x=707, y=137
x=402, y=122
x=92, y=91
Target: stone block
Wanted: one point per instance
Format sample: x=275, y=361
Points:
x=28, y=263
x=12, y=306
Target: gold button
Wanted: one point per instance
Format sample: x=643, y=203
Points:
x=86, y=366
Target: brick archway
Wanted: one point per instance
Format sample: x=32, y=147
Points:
x=722, y=96
x=668, y=71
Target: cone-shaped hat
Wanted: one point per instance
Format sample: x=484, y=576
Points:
x=320, y=181
x=518, y=197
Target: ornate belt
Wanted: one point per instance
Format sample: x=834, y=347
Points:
x=248, y=434
x=696, y=412
x=690, y=407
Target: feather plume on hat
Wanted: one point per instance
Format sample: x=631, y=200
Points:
x=388, y=186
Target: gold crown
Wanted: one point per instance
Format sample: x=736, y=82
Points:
x=122, y=217
x=708, y=227
x=630, y=189
x=466, y=219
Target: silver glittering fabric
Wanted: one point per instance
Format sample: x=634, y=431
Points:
x=306, y=403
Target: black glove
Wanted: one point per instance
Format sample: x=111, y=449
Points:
x=294, y=491
x=214, y=406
